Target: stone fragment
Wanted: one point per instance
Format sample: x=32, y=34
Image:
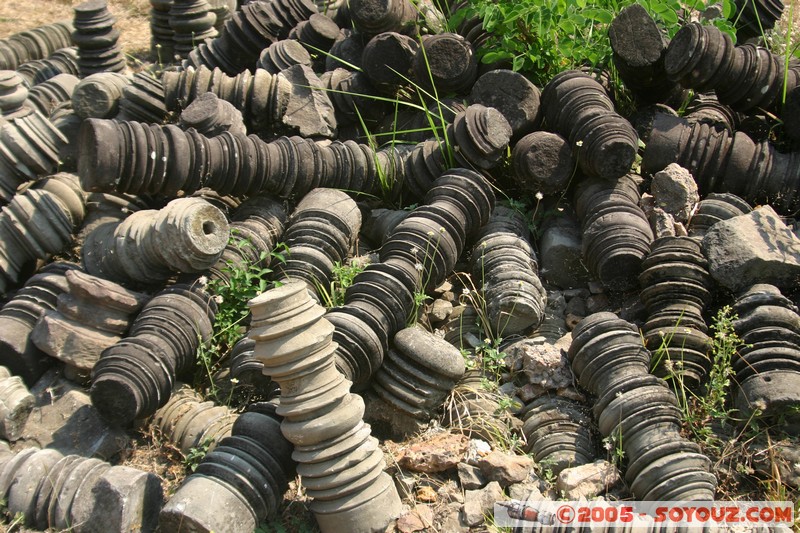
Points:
x=70, y=424
x=16, y=403
x=419, y=518
x=753, y=248
x=543, y=363
x=675, y=191
x=438, y=453
x=505, y=468
x=440, y=310
x=309, y=110
x=425, y=493
x=587, y=480
x=525, y=491
x=470, y=476
x=479, y=503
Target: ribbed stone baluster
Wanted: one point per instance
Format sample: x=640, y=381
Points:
x=766, y=366
x=723, y=162
x=96, y=39
x=192, y=22
x=505, y=265
x=339, y=462
x=188, y=235
x=63, y=61
x=248, y=32
x=36, y=224
x=247, y=472
x=135, y=376
x=638, y=411
x=577, y=107
x=33, y=44
x=19, y=316
x=676, y=288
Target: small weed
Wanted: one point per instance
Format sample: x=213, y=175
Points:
x=343, y=275
x=197, y=454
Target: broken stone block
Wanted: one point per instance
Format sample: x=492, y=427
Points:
x=438, y=453
x=470, y=476
x=587, y=480
x=69, y=423
x=753, y=248
x=544, y=364
x=16, y=403
x=479, y=503
x=505, y=468
x=91, y=316
x=675, y=191
x=309, y=110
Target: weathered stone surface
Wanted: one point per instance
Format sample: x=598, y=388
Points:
x=452, y=520
x=753, y=248
x=470, y=476
x=675, y=191
x=440, y=310
x=434, y=454
x=785, y=456
x=69, y=341
x=479, y=503
x=545, y=364
x=66, y=420
x=309, y=110
x=587, y=480
x=419, y=518
x=124, y=500
x=505, y=468
x=16, y=403
x=560, y=254
x=189, y=510
x=526, y=491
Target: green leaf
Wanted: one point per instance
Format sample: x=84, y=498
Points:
x=518, y=63
x=603, y=16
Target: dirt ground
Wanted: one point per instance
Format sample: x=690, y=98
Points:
x=132, y=16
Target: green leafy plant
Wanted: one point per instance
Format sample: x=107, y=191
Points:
x=343, y=275
x=197, y=454
x=245, y=282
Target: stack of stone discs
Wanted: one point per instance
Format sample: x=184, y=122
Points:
x=135, y=376
x=638, y=412
x=34, y=44
x=321, y=233
x=96, y=39
x=248, y=32
x=558, y=432
x=37, y=223
x=192, y=22
x=676, y=288
x=504, y=263
x=577, y=107
x=767, y=366
x=188, y=235
x=616, y=232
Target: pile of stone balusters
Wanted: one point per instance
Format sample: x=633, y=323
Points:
x=123, y=194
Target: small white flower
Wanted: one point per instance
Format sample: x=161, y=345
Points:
x=419, y=267
x=234, y=381
x=578, y=143
x=414, y=250
x=441, y=229
x=465, y=291
x=430, y=233
x=203, y=280
x=539, y=195
x=218, y=298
